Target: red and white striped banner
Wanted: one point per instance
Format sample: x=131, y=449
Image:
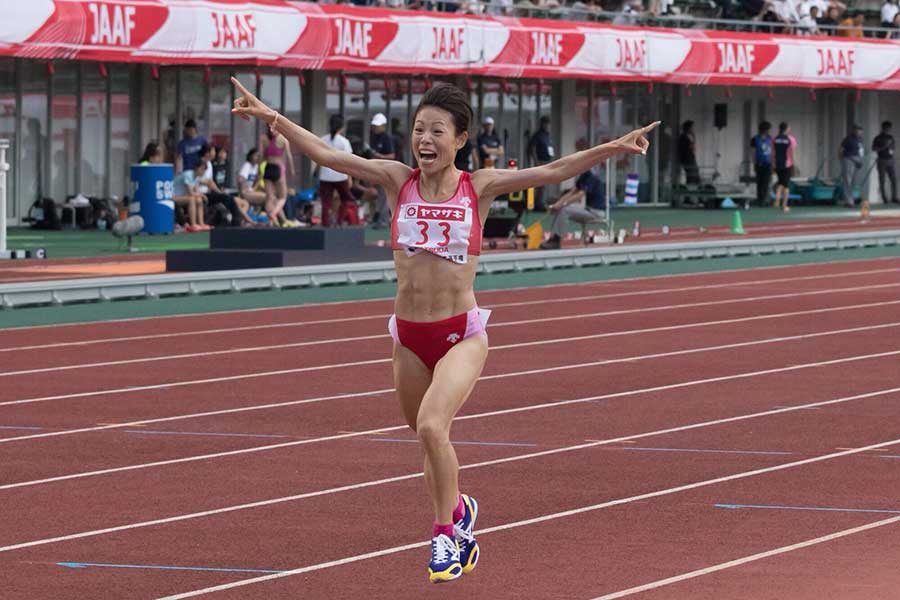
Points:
x=306, y=35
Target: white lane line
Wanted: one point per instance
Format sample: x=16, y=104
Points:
x=563, y=367
x=747, y=559
x=568, y=317
x=537, y=520
x=489, y=305
x=388, y=480
x=508, y=411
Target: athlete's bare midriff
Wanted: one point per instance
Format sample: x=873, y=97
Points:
x=431, y=288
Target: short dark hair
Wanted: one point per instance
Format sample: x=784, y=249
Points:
x=204, y=149
x=335, y=124
x=190, y=123
x=545, y=119
x=887, y=125
x=782, y=127
x=250, y=154
x=687, y=125
x=452, y=99
x=765, y=126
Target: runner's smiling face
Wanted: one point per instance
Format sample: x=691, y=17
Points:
x=435, y=140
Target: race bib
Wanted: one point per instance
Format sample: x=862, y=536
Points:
x=441, y=230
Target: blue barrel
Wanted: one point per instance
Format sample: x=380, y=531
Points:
x=632, y=180
x=152, y=197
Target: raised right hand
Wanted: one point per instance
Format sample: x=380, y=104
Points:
x=248, y=105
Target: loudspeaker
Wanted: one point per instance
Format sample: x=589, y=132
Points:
x=721, y=116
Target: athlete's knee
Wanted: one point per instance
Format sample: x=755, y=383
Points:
x=433, y=433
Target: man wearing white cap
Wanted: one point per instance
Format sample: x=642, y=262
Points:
x=383, y=148
x=490, y=150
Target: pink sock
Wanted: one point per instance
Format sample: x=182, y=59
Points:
x=460, y=511
x=438, y=529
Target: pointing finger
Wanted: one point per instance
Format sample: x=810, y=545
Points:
x=239, y=86
x=651, y=127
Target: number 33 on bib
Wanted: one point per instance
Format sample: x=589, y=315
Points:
x=442, y=230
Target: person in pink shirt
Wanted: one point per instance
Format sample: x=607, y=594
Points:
x=440, y=343
x=784, y=144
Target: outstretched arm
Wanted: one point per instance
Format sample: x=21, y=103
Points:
x=387, y=173
x=490, y=182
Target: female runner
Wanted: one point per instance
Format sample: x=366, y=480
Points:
x=440, y=344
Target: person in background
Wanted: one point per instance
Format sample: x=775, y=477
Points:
x=382, y=148
x=220, y=167
x=186, y=194
x=398, y=139
x=851, y=156
x=330, y=181
x=851, y=27
x=785, y=144
x=188, y=154
x=889, y=11
x=585, y=202
x=467, y=157
x=687, y=153
x=206, y=185
x=152, y=154
x=830, y=21
x=277, y=153
x=762, y=163
x=884, y=146
x=809, y=22
x=540, y=152
x=490, y=149
x=248, y=177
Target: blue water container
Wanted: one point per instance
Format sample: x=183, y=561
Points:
x=152, y=197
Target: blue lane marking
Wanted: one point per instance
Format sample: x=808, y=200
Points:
x=20, y=427
x=81, y=565
x=813, y=508
x=703, y=450
x=158, y=432
x=456, y=442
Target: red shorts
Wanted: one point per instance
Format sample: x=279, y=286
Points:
x=430, y=341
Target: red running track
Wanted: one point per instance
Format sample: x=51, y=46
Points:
x=607, y=428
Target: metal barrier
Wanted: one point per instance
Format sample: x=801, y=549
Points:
x=4, y=167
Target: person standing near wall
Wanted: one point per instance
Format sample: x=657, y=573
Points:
x=687, y=153
x=851, y=155
x=490, y=149
x=189, y=147
x=330, y=181
x=883, y=144
x=541, y=152
x=762, y=162
x=785, y=144
x=383, y=149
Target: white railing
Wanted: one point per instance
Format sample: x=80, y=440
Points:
x=4, y=167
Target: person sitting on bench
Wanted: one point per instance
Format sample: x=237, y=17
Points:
x=585, y=202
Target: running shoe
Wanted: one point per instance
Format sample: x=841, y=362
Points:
x=464, y=531
x=444, y=560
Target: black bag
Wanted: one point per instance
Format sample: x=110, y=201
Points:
x=43, y=215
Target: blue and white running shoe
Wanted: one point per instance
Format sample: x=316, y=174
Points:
x=464, y=531
x=444, y=560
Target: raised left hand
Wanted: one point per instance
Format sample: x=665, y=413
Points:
x=636, y=142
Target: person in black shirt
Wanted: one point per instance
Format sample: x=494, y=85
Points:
x=851, y=155
x=762, y=163
x=540, y=152
x=590, y=190
x=490, y=150
x=687, y=153
x=883, y=145
x=783, y=144
x=382, y=148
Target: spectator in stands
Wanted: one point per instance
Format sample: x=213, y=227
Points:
x=585, y=202
x=889, y=11
x=382, y=148
x=884, y=146
x=220, y=167
x=808, y=24
x=235, y=212
x=753, y=9
x=851, y=27
x=782, y=11
x=248, y=178
x=762, y=162
x=152, y=154
x=330, y=181
x=687, y=153
x=896, y=34
x=500, y=8
x=831, y=20
x=631, y=12
x=851, y=156
x=785, y=144
x=186, y=194
x=189, y=147
x=490, y=149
